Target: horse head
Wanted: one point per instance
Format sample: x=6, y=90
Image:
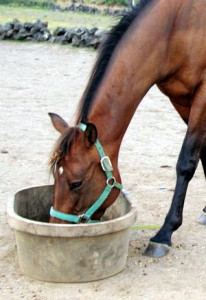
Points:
x=84, y=185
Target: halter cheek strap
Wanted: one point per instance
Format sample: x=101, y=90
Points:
x=110, y=184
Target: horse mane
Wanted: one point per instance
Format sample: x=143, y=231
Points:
x=105, y=53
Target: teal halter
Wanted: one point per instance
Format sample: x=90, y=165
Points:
x=110, y=184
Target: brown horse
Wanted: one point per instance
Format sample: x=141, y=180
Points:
x=160, y=42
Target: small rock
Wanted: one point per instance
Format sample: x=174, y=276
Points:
x=59, y=31
x=76, y=41
x=4, y=151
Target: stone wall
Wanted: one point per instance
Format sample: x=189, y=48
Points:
x=78, y=36
x=88, y=9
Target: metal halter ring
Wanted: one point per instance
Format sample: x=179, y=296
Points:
x=112, y=184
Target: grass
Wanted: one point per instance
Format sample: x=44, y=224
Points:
x=145, y=227
x=86, y=2
x=54, y=18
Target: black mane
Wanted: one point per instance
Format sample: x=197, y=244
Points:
x=105, y=54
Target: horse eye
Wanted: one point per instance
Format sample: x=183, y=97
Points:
x=75, y=185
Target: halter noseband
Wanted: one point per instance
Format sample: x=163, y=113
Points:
x=110, y=184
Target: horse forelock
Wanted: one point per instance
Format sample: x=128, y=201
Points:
x=62, y=146
x=103, y=58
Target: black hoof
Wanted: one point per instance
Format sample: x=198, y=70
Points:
x=202, y=219
x=156, y=250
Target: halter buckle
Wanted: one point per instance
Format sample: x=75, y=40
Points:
x=83, y=218
x=106, y=164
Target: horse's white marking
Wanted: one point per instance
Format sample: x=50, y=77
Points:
x=61, y=170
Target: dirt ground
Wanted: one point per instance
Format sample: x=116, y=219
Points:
x=36, y=79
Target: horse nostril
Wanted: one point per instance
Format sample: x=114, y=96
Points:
x=76, y=210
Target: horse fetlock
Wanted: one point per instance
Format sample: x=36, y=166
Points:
x=173, y=222
x=162, y=237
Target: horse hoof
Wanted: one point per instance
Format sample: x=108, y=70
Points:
x=202, y=219
x=156, y=250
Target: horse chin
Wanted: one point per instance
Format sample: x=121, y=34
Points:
x=98, y=215
x=53, y=220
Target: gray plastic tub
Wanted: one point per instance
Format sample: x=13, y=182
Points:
x=64, y=252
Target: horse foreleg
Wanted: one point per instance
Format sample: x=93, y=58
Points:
x=186, y=166
x=191, y=151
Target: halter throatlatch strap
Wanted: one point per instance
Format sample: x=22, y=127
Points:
x=110, y=184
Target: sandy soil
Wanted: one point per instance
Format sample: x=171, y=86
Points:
x=36, y=79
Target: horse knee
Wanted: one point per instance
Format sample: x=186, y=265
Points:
x=186, y=168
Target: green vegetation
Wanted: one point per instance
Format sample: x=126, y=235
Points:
x=54, y=18
x=145, y=227
x=28, y=3
x=44, y=3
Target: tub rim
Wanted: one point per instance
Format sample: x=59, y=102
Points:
x=19, y=223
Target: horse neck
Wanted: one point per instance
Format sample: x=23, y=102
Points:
x=137, y=63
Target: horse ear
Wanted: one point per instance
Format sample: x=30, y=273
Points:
x=90, y=135
x=58, y=123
